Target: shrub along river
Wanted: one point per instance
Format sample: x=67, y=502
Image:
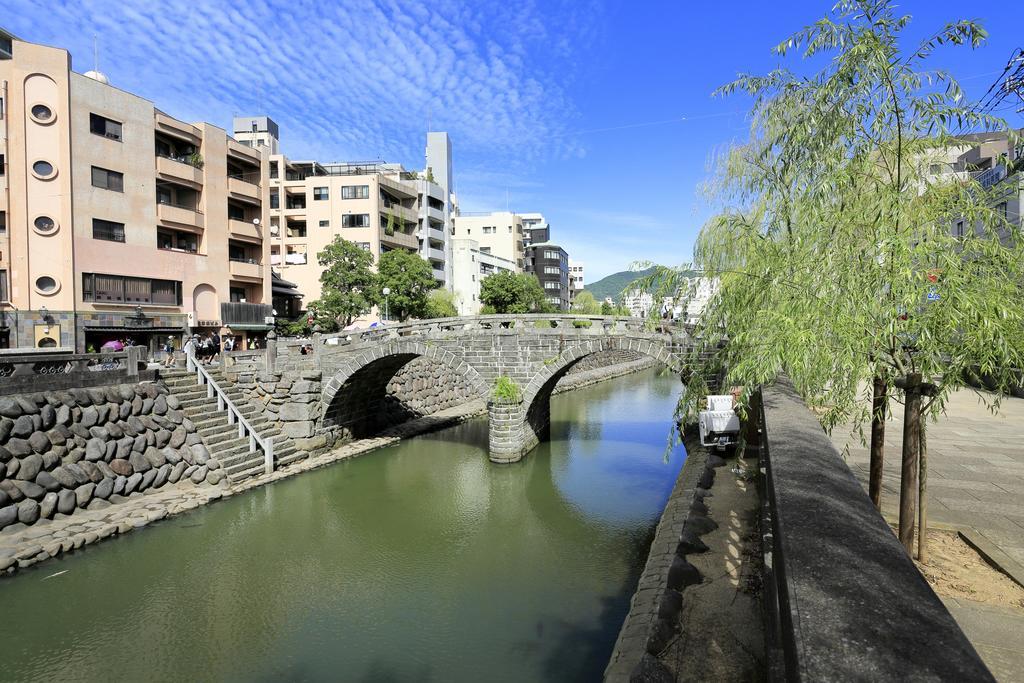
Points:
x=421, y=562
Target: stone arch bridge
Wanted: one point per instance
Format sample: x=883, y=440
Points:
x=534, y=351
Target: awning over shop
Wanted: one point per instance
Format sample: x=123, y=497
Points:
x=135, y=330
x=242, y=326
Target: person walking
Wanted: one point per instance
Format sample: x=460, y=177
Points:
x=190, y=347
x=215, y=343
x=169, y=350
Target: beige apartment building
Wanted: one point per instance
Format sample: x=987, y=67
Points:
x=379, y=206
x=117, y=220
x=499, y=233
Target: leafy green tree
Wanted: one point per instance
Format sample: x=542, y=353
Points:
x=607, y=308
x=514, y=293
x=410, y=280
x=833, y=246
x=586, y=303
x=441, y=304
x=348, y=285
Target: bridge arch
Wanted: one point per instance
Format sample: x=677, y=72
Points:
x=544, y=381
x=353, y=397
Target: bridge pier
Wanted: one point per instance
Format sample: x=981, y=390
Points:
x=516, y=428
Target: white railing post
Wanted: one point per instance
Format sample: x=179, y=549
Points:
x=268, y=455
x=252, y=443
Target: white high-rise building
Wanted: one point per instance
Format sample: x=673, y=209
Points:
x=576, y=280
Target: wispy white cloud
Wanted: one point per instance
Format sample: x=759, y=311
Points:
x=344, y=80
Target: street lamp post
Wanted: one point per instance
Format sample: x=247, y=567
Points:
x=386, y=291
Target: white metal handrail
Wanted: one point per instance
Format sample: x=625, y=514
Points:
x=234, y=415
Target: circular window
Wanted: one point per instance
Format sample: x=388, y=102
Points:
x=44, y=225
x=47, y=285
x=41, y=113
x=43, y=169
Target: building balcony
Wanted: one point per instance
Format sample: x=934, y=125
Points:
x=406, y=214
x=399, y=240
x=295, y=259
x=435, y=233
x=242, y=188
x=435, y=254
x=245, y=229
x=404, y=190
x=240, y=313
x=180, y=215
x=436, y=214
x=178, y=129
x=438, y=274
x=179, y=170
x=243, y=152
x=245, y=270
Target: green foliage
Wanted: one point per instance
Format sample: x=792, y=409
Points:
x=410, y=280
x=578, y=324
x=195, y=159
x=506, y=389
x=606, y=308
x=832, y=235
x=348, y=285
x=291, y=328
x=487, y=309
x=393, y=221
x=514, y=293
x=586, y=303
x=430, y=174
x=440, y=304
x=542, y=324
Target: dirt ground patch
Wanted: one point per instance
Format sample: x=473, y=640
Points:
x=956, y=570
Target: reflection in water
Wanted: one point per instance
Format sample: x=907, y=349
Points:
x=420, y=562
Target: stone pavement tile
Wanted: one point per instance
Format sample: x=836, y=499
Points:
x=985, y=508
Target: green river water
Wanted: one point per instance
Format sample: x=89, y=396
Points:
x=419, y=562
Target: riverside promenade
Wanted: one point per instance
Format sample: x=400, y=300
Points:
x=975, y=485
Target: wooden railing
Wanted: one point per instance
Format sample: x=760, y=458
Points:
x=234, y=415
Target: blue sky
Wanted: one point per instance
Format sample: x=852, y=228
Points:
x=598, y=114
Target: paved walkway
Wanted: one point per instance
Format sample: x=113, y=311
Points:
x=975, y=482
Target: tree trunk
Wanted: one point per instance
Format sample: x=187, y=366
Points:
x=922, y=500
x=911, y=451
x=878, y=409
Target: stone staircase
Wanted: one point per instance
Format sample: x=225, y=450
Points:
x=222, y=438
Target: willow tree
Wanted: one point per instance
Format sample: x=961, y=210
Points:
x=834, y=250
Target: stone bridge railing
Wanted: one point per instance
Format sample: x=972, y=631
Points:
x=530, y=322
x=31, y=372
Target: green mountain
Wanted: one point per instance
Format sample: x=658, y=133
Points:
x=613, y=285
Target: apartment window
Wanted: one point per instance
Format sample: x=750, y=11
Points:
x=554, y=300
x=552, y=285
x=107, y=180
x=1001, y=209
x=108, y=128
x=365, y=246
x=935, y=169
x=489, y=230
x=325, y=224
x=510, y=229
x=3, y=165
x=355, y=191
x=273, y=169
x=485, y=250
x=130, y=290
x=552, y=270
x=355, y=220
x=3, y=222
x=236, y=212
x=552, y=255
x=275, y=200
x=107, y=230
x=238, y=295
x=3, y=286
x=319, y=193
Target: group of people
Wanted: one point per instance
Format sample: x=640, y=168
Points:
x=205, y=349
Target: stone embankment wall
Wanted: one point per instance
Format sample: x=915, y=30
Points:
x=66, y=450
x=421, y=387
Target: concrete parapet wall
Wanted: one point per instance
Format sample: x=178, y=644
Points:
x=845, y=601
